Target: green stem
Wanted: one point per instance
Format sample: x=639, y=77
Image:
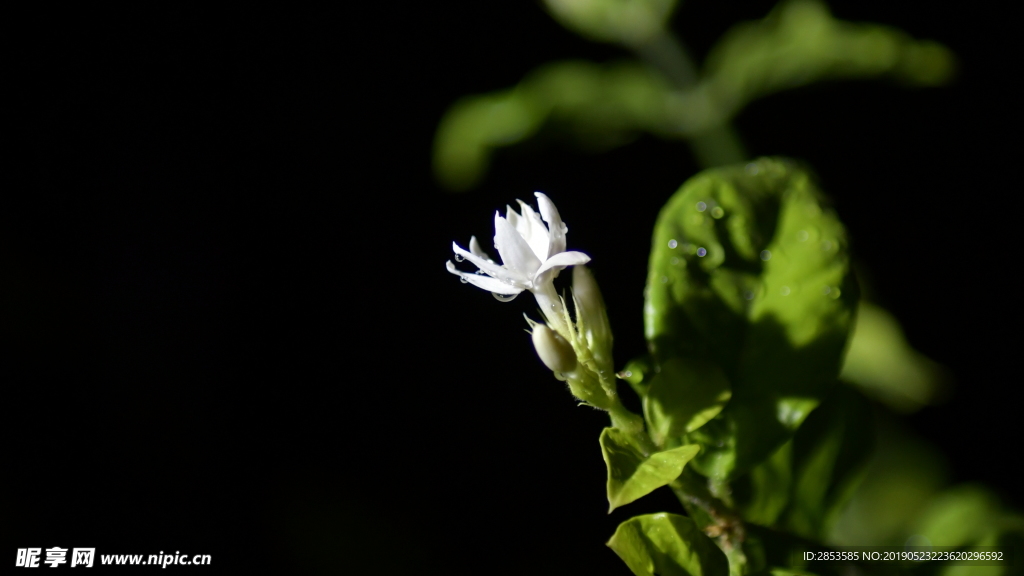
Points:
x=717, y=518
x=716, y=146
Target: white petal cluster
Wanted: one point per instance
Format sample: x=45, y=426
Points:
x=532, y=254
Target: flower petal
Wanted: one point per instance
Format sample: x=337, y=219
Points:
x=561, y=260
x=477, y=250
x=516, y=254
x=537, y=237
x=516, y=220
x=555, y=225
x=485, y=282
x=491, y=269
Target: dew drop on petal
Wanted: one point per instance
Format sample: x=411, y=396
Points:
x=463, y=280
x=766, y=255
x=701, y=206
x=672, y=244
x=504, y=297
x=717, y=212
x=702, y=252
x=459, y=257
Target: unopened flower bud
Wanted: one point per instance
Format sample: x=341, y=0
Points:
x=592, y=315
x=554, y=351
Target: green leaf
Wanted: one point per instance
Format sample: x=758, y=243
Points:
x=959, y=516
x=882, y=364
x=667, y=545
x=602, y=106
x=800, y=43
x=683, y=395
x=830, y=454
x=628, y=22
x=903, y=477
x=631, y=475
x=749, y=271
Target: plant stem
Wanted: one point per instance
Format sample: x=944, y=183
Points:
x=715, y=146
x=718, y=519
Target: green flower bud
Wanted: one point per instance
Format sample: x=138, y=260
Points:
x=591, y=315
x=554, y=351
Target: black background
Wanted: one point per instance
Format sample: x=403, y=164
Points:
x=228, y=322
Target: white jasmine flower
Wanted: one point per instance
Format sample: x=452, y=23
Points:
x=532, y=255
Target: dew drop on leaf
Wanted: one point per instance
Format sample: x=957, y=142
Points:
x=701, y=206
x=701, y=252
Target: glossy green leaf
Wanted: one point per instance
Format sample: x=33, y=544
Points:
x=683, y=395
x=882, y=363
x=631, y=475
x=667, y=545
x=749, y=271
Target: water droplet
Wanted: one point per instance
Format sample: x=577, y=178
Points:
x=802, y=236
x=701, y=206
x=672, y=244
x=835, y=293
x=826, y=290
x=463, y=280
x=748, y=295
x=717, y=212
x=752, y=169
x=624, y=374
x=702, y=252
x=766, y=255
x=826, y=245
x=674, y=261
x=784, y=291
x=664, y=279
x=504, y=297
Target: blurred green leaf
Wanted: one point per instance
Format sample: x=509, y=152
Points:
x=882, y=364
x=830, y=454
x=799, y=43
x=631, y=475
x=749, y=271
x=803, y=486
x=628, y=22
x=667, y=545
x=683, y=395
x=602, y=105
x=903, y=476
x=763, y=494
x=959, y=516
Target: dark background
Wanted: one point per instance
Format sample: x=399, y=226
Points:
x=228, y=322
